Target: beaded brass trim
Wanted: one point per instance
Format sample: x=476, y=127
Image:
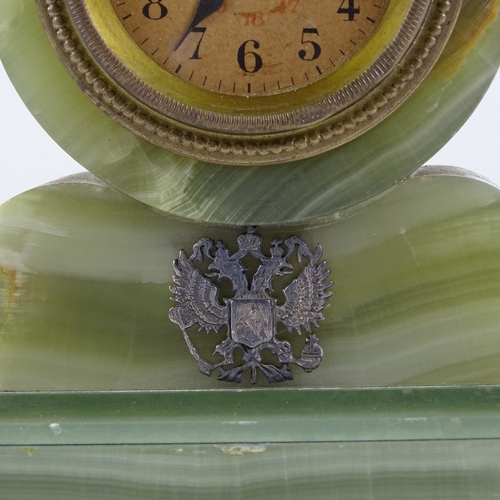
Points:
x=251, y=139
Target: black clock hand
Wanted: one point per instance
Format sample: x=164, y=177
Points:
x=205, y=9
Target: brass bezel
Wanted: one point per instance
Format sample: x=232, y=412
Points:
x=253, y=130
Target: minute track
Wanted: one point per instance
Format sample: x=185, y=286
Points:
x=261, y=41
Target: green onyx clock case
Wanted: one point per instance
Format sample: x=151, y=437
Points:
x=314, y=320
x=291, y=191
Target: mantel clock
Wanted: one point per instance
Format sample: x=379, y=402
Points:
x=259, y=290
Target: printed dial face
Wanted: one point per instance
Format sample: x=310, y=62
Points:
x=250, y=47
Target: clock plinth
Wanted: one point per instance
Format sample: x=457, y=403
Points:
x=95, y=373
x=95, y=280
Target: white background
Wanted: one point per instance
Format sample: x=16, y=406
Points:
x=29, y=163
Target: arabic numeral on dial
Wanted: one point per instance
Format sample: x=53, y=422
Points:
x=196, y=53
x=249, y=61
x=155, y=10
x=351, y=10
x=313, y=48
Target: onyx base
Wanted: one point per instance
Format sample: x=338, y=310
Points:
x=101, y=399
x=377, y=443
x=402, y=470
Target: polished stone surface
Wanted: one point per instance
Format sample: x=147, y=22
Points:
x=270, y=194
x=86, y=274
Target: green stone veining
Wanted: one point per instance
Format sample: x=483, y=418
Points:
x=86, y=275
x=262, y=195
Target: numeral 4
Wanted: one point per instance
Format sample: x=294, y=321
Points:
x=351, y=10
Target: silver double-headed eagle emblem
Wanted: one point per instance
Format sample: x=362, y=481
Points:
x=250, y=294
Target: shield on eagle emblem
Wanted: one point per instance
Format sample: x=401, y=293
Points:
x=251, y=321
x=252, y=314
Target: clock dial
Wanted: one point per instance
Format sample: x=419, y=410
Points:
x=253, y=47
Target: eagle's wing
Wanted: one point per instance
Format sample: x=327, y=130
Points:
x=196, y=297
x=306, y=297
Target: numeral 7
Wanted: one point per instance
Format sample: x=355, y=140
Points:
x=196, y=53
